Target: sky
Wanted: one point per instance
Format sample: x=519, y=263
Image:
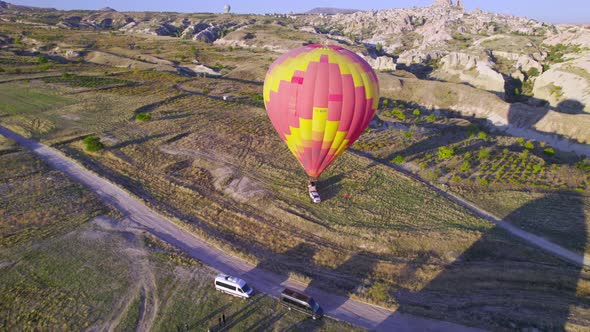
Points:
x=553, y=11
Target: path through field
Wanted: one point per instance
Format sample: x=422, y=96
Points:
x=339, y=307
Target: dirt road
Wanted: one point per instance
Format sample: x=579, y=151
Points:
x=339, y=307
x=538, y=241
x=568, y=255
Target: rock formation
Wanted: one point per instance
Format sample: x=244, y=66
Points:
x=443, y=3
x=471, y=69
x=380, y=63
x=566, y=86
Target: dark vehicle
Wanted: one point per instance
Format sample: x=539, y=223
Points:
x=301, y=302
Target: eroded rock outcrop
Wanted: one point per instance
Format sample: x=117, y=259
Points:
x=472, y=69
x=380, y=63
x=415, y=56
x=566, y=86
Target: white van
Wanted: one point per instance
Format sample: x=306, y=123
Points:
x=233, y=286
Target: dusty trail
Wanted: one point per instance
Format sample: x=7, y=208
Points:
x=143, y=285
x=339, y=307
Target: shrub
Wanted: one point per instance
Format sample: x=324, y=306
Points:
x=556, y=90
x=399, y=159
x=529, y=145
x=460, y=37
x=583, y=165
x=456, y=178
x=446, y=152
x=44, y=67
x=206, y=91
x=431, y=118
x=482, y=135
x=398, y=114
x=549, y=151
x=465, y=166
x=408, y=134
x=92, y=143
x=432, y=175
x=42, y=59
x=483, y=182
x=524, y=154
x=379, y=292
x=537, y=168
x=379, y=48
x=483, y=154
x=520, y=140
x=416, y=112
x=533, y=72
x=143, y=117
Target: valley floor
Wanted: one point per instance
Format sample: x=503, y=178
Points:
x=215, y=167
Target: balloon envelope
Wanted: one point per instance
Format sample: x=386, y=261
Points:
x=320, y=100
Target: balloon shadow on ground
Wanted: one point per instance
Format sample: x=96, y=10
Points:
x=330, y=187
x=502, y=283
x=343, y=279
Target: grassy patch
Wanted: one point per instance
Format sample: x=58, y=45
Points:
x=17, y=99
x=84, y=81
x=39, y=202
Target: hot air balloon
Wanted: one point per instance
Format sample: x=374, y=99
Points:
x=320, y=99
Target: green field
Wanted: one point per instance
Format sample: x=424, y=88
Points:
x=23, y=99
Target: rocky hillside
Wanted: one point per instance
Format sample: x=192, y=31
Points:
x=331, y=11
x=523, y=63
x=519, y=59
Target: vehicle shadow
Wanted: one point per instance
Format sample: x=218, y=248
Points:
x=203, y=321
x=502, y=283
x=296, y=259
x=345, y=279
x=266, y=322
x=237, y=317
